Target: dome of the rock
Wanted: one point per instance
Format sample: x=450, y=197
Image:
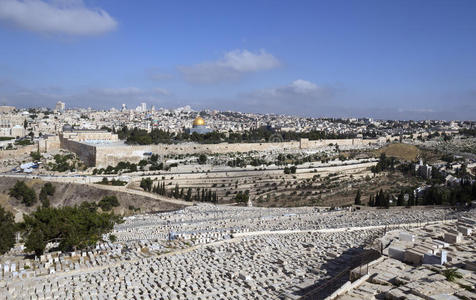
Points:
x=199, y=121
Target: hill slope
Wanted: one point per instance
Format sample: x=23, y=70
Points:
x=73, y=194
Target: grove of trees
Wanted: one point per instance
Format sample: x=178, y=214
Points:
x=155, y=136
x=76, y=227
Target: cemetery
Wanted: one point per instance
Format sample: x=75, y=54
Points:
x=207, y=251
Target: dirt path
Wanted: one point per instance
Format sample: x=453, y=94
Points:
x=141, y=193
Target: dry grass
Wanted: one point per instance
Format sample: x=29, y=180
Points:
x=4, y=201
x=400, y=151
x=34, y=182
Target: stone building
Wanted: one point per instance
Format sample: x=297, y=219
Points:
x=199, y=126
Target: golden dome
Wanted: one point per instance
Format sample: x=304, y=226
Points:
x=199, y=121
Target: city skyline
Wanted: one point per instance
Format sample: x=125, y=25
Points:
x=393, y=60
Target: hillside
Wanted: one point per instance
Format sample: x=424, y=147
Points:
x=72, y=194
x=401, y=151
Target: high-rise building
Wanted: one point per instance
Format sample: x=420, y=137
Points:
x=124, y=107
x=143, y=106
x=60, y=106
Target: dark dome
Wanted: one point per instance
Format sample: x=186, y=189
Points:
x=67, y=127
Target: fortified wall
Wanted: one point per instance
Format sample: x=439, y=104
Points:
x=110, y=155
x=102, y=149
x=49, y=143
x=87, y=153
x=90, y=135
x=80, y=142
x=14, y=154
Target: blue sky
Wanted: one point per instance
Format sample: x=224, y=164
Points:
x=385, y=59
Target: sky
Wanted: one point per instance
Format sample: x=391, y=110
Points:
x=396, y=59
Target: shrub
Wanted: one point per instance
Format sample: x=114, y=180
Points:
x=108, y=202
x=35, y=155
x=21, y=191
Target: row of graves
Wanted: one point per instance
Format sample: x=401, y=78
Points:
x=432, y=262
x=103, y=255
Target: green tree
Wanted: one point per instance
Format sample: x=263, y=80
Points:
x=371, y=202
x=112, y=238
x=77, y=227
x=36, y=156
x=146, y=184
x=48, y=189
x=202, y=159
x=108, y=202
x=188, y=197
x=241, y=197
x=44, y=198
x=411, y=199
x=401, y=199
x=36, y=241
x=7, y=231
x=21, y=191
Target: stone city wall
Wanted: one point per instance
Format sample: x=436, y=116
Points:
x=90, y=135
x=86, y=153
x=111, y=155
x=49, y=144
x=14, y=154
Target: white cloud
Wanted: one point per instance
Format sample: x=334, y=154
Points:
x=246, y=61
x=298, y=88
x=127, y=91
x=416, y=110
x=303, y=87
x=57, y=17
x=300, y=96
x=161, y=91
x=232, y=66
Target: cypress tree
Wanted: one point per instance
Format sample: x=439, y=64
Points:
x=357, y=198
